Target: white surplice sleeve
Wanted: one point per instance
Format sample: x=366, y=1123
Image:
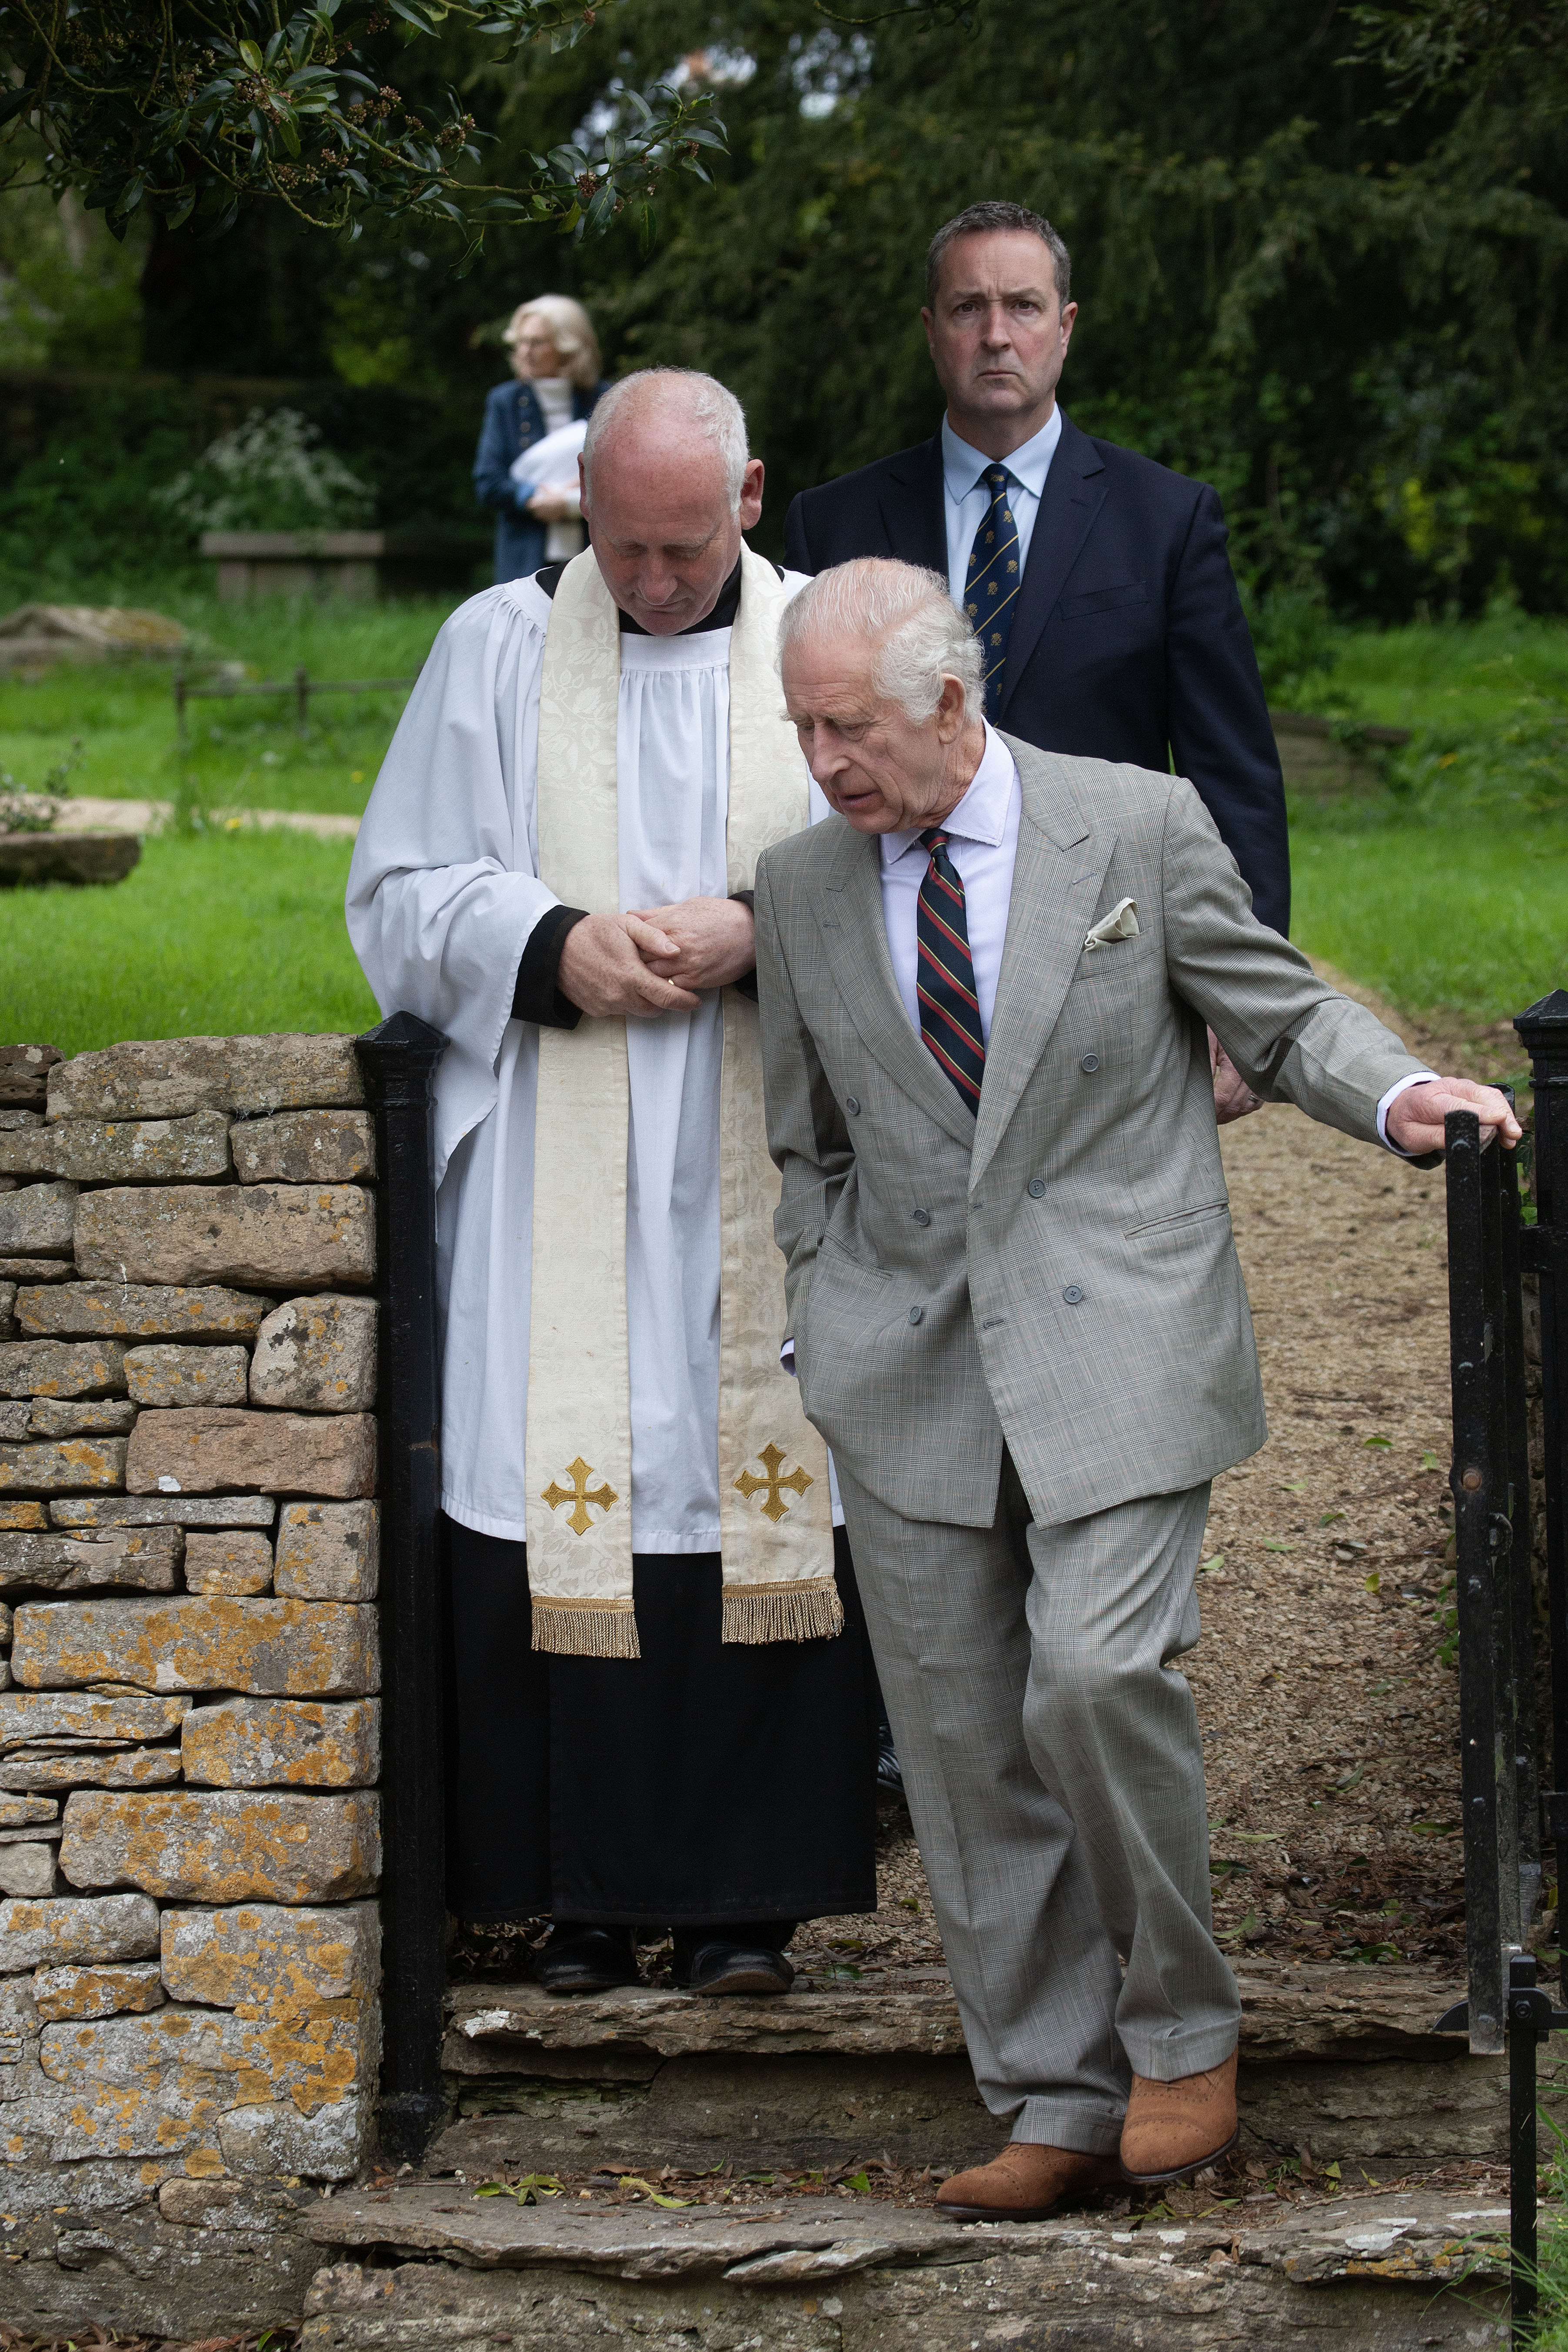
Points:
x=443, y=888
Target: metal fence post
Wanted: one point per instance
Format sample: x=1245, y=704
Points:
x=398, y=1059
x=1544, y=1251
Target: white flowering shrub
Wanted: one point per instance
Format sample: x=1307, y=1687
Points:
x=270, y=473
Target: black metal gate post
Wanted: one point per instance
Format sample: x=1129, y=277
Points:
x=398, y=1059
x=1543, y=1032
x=1506, y=1813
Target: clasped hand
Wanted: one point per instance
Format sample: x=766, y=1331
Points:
x=656, y=960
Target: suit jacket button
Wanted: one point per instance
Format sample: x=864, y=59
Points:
x=921, y=1216
x=1072, y=1294
x=1037, y=1188
x=917, y=1314
x=851, y=1104
x=1090, y=1063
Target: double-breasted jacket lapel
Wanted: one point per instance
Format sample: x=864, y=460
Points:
x=857, y=941
x=1074, y=493
x=1057, y=875
x=914, y=515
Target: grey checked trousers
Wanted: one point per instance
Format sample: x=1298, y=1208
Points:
x=1054, y=1769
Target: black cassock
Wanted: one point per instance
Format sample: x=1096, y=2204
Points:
x=701, y=1783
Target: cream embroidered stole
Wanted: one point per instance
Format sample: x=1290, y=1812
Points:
x=775, y=1514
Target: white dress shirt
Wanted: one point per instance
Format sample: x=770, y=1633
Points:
x=983, y=843
x=965, y=496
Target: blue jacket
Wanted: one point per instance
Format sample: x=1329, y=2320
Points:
x=1129, y=642
x=513, y=422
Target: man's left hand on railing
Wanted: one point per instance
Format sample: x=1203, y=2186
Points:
x=1415, y=1122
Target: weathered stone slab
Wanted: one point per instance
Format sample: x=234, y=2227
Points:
x=173, y=1076
x=62, y=1368
x=89, y=1767
x=28, y=1870
x=305, y=1147
x=239, y=1563
x=28, y=1270
x=91, y=1718
x=285, y=1649
x=101, y=1417
x=7, y=1304
x=61, y=1993
x=172, y=1375
x=161, y=1510
x=261, y=1958
x=36, y=1221
x=317, y=1355
x=277, y=1235
x=18, y=1813
x=15, y=1420
x=328, y=1551
x=71, y=1466
x=140, y=1310
x=145, y=1557
x=276, y=2139
x=140, y=2086
x=24, y=1074
x=278, y=1743
x=203, y=1447
x=224, y=1847
x=23, y=1515
x=77, y=1928
x=94, y=1151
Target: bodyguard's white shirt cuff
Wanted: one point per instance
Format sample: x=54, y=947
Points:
x=1415, y=1078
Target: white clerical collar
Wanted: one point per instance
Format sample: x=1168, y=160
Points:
x=962, y=467
x=981, y=814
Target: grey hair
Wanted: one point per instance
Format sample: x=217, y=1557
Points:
x=989, y=219
x=922, y=637
x=710, y=405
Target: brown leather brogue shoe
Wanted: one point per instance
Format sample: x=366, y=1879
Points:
x=1173, y=2129
x=1025, y=2183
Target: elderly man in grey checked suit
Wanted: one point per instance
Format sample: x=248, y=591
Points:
x=1019, y=1320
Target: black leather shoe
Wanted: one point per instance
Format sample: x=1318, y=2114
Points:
x=889, y=1771
x=716, y=1966
x=578, y=1957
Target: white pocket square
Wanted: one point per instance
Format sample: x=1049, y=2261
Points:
x=1122, y=923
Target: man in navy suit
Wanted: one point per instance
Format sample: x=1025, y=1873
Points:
x=1098, y=581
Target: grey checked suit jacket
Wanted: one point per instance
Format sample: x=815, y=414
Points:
x=1056, y=1273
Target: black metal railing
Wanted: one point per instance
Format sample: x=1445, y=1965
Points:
x=398, y=1059
x=1507, y=1814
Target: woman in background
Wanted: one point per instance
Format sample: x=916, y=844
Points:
x=555, y=363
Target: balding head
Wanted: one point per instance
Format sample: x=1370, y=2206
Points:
x=667, y=488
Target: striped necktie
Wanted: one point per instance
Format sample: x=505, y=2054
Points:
x=991, y=585
x=945, y=978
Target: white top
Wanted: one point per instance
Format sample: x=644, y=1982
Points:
x=553, y=394
x=965, y=497
x=443, y=896
x=983, y=841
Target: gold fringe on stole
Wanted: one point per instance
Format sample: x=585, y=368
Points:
x=585, y=1629
x=800, y=1611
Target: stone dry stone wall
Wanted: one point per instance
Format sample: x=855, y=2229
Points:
x=189, y=1730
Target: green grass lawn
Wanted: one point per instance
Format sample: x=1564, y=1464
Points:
x=224, y=935
x=1447, y=890
x=244, y=751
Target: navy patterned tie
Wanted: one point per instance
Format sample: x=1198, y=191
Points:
x=991, y=587
x=945, y=977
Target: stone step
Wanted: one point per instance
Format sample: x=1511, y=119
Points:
x=1342, y=2061
x=433, y=2267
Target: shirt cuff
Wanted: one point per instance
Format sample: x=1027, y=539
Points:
x=786, y=1357
x=747, y=983
x=537, y=995
x=1415, y=1078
